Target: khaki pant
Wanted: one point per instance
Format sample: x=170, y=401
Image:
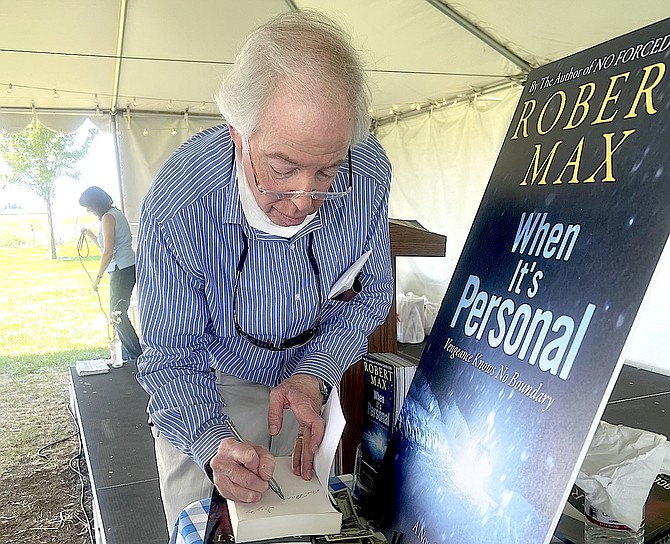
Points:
x=182, y=481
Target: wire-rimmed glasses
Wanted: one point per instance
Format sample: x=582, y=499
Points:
x=314, y=195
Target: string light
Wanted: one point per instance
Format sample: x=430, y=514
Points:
x=145, y=132
x=55, y=93
x=174, y=131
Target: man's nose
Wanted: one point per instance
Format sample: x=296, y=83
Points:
x=304, y=203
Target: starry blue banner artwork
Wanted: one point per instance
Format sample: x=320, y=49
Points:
x=528, y=341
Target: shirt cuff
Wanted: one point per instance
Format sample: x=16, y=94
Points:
x=207, y=444
x=322, y=366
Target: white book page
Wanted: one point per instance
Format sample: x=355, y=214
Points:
x=335, y=422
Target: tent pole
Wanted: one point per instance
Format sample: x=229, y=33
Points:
x=117, y=154
x=119, y=53
x=292, y=6
x=479, y=33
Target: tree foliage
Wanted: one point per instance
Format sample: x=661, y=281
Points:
x=38, y=157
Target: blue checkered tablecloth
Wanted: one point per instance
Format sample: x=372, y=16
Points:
x=191, y=524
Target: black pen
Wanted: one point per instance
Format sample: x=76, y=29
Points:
x=273, y=485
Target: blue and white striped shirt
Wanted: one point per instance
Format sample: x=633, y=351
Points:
x=189, y=244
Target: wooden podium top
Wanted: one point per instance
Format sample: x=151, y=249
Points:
x=410, y=239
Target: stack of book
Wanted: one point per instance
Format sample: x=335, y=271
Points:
x=387, y=377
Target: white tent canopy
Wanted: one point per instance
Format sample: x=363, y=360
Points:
x=150, y=54
x=444, y=77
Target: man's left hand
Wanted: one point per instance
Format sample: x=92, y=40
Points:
x=301, y=394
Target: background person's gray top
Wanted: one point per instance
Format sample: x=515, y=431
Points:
x=123, y=256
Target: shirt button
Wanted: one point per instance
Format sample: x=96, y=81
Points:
x=297, y=296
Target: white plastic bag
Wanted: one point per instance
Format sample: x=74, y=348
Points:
x=410, y=320
x=619, y=470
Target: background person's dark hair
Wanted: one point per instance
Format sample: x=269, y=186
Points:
x=96, y=200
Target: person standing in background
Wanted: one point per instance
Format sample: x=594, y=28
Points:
x=118, y=258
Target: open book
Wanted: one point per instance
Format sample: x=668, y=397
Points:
x=307, y=508
x=90, y=367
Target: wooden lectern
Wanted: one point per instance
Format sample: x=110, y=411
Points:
x=408, y=239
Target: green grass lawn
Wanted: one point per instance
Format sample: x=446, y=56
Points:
x=49, y=318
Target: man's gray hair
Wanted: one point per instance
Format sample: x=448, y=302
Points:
x=304, y=51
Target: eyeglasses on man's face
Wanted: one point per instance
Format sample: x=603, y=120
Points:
x=297, y=340
x=290, y=195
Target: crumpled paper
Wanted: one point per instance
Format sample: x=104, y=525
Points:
x=619, y=469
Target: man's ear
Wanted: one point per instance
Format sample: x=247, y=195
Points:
x=236, y=136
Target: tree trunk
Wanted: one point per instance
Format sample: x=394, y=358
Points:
x=54, y=255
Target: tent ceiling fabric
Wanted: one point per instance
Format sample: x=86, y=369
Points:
x=177, y=51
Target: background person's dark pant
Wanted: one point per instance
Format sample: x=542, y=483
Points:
x=121, y=283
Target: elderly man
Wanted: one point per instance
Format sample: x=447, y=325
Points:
x=243, y=234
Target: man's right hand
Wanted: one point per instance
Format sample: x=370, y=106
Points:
x=241, y=471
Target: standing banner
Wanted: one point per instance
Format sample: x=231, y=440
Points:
x=527, y=344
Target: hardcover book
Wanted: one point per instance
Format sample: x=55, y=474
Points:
x=527, y=345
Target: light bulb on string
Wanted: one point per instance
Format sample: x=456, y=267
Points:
x=145, y=132
x=134, y=101
x=169, y=105
x=55, y=95
x=203, y=106
x=10, y=89
x=173, y=131
x=98, y=113
x=95, y=99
